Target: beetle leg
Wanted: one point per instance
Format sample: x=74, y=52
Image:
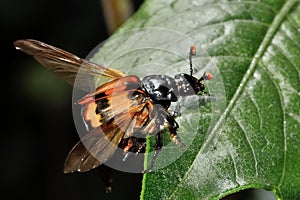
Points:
x=176, y=139
x=130, y=147
x=173, y=126
x=126, y=155
x=133, y=146
x=141, y=147
x=174, y=113
x=107, y=176
x=158, y=146
x=130, y=142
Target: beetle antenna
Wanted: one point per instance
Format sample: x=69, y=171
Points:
x=192, y=53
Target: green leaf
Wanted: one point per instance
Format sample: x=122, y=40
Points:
x=249, y=137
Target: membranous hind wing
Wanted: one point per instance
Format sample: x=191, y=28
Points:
x=94, y=148
x=115, y=111
x=67, y=65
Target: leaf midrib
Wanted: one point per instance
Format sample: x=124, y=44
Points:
x=260, y=52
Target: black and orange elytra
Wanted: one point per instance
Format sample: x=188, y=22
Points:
x=121, y=108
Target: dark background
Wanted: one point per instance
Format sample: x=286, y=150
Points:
x=38, y=130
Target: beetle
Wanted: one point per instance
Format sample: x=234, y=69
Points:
x=120, y=112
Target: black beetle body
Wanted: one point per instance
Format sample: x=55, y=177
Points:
x=164, y=89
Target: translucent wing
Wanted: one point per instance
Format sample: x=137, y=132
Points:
x=93, y=149
x=65, y=64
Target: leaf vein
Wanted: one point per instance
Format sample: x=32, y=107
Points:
x=249, y=143
x=283, y=122
x=286, y=55
x=257, y=109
